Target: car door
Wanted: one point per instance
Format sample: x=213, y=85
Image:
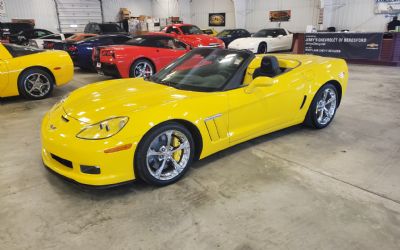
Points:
x=284, y=100
x=247, y=113
x=285, y=41
x=264, y=109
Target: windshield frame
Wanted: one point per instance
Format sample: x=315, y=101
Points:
x=183, y=27
x=267, y=30
x=235, y=80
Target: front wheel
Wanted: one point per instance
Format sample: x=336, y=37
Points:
x=35, y=84
x=323, y=107
x=141, y=68
x=165, y=154
x=262, y=48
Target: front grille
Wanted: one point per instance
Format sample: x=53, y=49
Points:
x=64, y=162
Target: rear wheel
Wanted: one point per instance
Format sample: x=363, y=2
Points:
x=164, y=154
x=323, y=107
x=141, y=68
x=35, y=84
x=262, y=48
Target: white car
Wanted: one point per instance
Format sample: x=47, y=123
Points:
x=38, y=42
x=265, y=40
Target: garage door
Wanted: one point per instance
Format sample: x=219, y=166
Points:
x=73, y=15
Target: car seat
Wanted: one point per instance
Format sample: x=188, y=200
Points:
x=269, y=67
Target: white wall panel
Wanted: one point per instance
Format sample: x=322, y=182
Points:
x=356, y=15
x=43, y=11
x=165, y=8
x=304, y=12
x=201, y=8
x=137, y=7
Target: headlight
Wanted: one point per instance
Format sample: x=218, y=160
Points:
x=103, y=129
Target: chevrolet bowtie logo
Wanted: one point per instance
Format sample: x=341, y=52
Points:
x=52, y=127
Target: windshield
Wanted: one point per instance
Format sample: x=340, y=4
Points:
x=110, y=27
x=17, y=51
x=191, y=30
x=224, y=33
x=202, y=69
x=266, y=33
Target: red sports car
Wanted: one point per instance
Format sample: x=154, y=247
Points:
x=192, y=35
x=141, y=56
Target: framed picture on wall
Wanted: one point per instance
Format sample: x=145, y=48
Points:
x=280, y=15
x=216, y=19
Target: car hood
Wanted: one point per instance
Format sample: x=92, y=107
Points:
x=196, y=40
x=248, y=41
x=123, y=97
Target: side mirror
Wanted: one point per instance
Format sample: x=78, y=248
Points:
x=260, y=82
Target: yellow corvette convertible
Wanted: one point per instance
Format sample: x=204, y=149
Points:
x=208, y=100
x=32, y=73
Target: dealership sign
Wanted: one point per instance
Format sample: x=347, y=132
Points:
x=344, y=45
x=387, y=6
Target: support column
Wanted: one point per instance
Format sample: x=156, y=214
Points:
x=240, y=13
x=184, y=11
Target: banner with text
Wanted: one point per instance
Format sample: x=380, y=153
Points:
x=387, y=6
x=344, y=45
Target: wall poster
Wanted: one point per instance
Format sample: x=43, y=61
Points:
x=216, y=19
x=280, y=15
x=387, y=6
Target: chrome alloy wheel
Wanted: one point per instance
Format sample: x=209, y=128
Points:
x=168, y=155
x=326, y=106
x=37, y=85
x=143, y=69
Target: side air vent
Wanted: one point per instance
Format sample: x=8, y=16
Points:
x=304, y=101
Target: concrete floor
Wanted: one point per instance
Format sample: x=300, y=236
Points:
x=337, y=188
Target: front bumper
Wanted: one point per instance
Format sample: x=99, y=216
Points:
x=67, y=155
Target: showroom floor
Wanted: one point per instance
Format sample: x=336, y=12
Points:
x=336, y=188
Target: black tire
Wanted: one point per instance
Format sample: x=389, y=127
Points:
x=312, y=118
x=142, y=162
x=139, y=62
x=35, y=93
x=262, y=48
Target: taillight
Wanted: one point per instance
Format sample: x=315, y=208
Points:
x=72, y=48
x=108, y=53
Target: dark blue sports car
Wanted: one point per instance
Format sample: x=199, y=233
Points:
x=229, y=35
x=81, y=52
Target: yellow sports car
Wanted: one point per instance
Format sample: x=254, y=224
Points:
x=211, y=32
x=207, y=100
x=32, y=73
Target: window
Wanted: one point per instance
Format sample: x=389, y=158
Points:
x=108, y=28
x=157, y=42
x=267, y=33
x=17, y=51
x=121, y=39
x=281, y=32
x=191, y=30
x=202, y=70
x=55, y=37
x=173, y=29
x=41, y=33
